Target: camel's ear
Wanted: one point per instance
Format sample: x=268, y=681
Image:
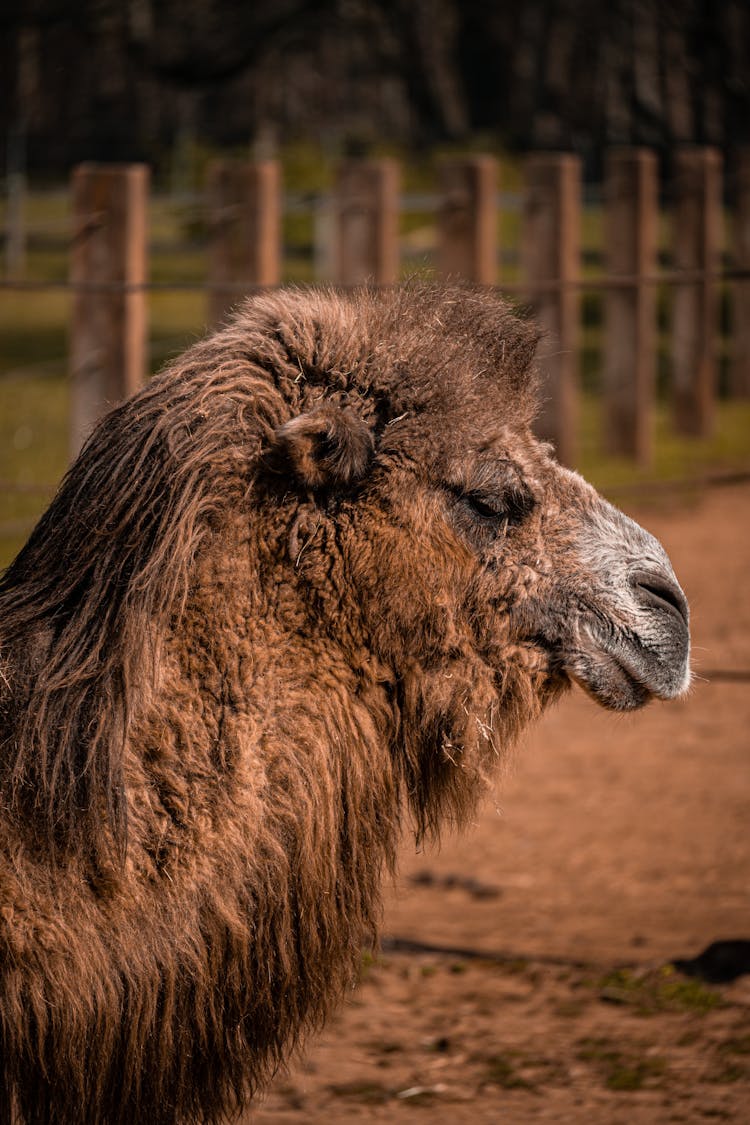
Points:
x=330, y=445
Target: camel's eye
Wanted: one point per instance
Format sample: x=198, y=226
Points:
x=486, y=507
x=488, y=511
x=493, y=510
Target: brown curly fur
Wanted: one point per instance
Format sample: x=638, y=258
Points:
x=235, y=651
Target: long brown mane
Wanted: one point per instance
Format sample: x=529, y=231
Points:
x=176, y=913
x=84, y=603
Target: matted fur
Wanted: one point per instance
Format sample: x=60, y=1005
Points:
x=235, y=652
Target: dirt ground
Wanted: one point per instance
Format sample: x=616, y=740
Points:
x=525, y=974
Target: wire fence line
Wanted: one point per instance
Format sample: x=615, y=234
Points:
x=357, y=239
x=672, y=278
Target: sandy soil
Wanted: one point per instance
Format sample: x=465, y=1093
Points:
x=538, y=985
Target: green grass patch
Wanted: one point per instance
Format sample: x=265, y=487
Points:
x=367, y=962
x=676, y=457
x=34, y=333
x=520, y=1070
x=662, y=990
x=622, y=1069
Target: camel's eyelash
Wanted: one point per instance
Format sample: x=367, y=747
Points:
x=510, y=507
x=485, y=507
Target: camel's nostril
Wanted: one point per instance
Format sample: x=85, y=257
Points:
x=659, y=592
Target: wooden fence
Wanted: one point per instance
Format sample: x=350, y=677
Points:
x=109, y=272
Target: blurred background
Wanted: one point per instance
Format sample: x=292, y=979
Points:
x=162, y=159
x=160, y=82
x=222, y=145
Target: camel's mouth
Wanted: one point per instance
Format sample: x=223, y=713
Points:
x=623, y=673
x=624, y=649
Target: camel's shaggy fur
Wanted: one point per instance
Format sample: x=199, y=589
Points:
x=288, y=593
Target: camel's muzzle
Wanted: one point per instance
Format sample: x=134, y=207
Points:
x=633, y=639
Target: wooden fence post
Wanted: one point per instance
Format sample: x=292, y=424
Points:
x=108, y=269
x=739, y=368
x=631, y=229
x=696, y=234
x=244, y=200
x=550, y=256
x=467, y=219
x=366, y=218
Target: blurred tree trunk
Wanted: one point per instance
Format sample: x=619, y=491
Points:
x=548, y=73
x=429, y=60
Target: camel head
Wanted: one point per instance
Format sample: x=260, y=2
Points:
x=481, y=575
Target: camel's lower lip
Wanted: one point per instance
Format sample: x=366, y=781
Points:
x=610, y=682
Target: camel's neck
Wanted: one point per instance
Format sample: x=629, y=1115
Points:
x=263, y=792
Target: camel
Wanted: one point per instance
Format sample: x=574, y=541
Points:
x=297, y=596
